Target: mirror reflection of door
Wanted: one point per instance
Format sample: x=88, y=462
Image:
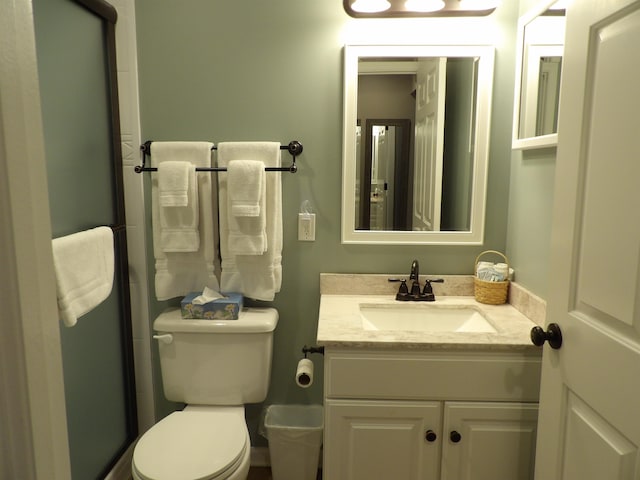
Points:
x=424, y=113
x=384, y=196
x=427, y=181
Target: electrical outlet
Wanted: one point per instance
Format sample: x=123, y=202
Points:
x=307, y=227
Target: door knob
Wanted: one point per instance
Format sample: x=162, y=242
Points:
x=431, y=436
x=455, y=437
x=553, y=335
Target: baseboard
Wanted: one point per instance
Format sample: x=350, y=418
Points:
x=122, y=469
x=260, y=457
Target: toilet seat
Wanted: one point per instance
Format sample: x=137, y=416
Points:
x=198, y=443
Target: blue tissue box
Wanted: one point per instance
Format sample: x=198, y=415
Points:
x=221, y=309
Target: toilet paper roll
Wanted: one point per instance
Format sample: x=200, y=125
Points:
x=304, y=373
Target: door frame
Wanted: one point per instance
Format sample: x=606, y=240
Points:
x=32, y=389
x=401, y=178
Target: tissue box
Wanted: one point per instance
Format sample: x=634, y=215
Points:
x=221, y=309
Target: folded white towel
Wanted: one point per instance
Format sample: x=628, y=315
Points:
x=246, y=187
x=84, y=265
x=182, y=272
x=173, y=184
x=247, y=210
x=256, y=276
x=178, y=225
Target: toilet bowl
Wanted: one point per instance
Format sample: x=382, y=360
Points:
x=198, y=443
x=215, y=367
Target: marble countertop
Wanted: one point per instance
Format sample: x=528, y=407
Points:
x=340, y=325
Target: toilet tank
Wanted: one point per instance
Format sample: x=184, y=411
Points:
x=216, y=362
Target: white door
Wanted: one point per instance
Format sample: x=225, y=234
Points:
x=590, y=394
x=429, y=143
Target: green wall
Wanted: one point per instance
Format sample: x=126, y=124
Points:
x=530, y=209
x=247, y=70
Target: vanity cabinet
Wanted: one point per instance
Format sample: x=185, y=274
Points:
x=430, y=415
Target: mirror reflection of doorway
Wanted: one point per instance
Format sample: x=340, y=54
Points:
x=548, y=95
x=385, y=192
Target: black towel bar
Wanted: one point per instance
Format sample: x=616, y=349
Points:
x=294, y=148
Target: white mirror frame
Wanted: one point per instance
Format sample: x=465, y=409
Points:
x=552, y=48
x=475, y=236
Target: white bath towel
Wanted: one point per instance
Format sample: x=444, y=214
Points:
x=84, y=265
x=256, y=276
x=179, y=225
x=246, y=215
x=182, y=272
x=173, y=184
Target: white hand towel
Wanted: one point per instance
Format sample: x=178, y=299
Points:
x=247, y=209
x=178, y=228
x=179, y=273
x=256, y=276
x=173, y=184
x=246, y=187
x=84, y=265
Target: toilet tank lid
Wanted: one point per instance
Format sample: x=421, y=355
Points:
x=250, y=320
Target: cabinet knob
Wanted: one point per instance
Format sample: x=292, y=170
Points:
x=455, y=437
x=431, y=436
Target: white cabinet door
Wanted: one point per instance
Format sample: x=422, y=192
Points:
x=367, y=440
x=488, y=441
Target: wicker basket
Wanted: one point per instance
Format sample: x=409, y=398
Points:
x=491, y=293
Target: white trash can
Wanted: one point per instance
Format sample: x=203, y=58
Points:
x=294, y=433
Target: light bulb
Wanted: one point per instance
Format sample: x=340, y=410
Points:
x=370, y=6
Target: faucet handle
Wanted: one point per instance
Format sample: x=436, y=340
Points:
x=403, y=291
x=427, y=287
x=427, y=291
x=427, y=284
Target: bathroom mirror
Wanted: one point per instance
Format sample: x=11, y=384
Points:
x=538, y=71
x=415, y=143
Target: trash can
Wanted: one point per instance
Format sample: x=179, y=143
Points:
x=294, y=433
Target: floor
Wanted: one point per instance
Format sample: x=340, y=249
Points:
x=259, y=473
x=264, y=473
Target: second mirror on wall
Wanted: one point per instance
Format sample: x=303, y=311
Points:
x=538, y=72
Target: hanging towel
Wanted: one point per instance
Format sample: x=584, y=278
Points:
x=174, y=187
x=178, y=224
x=247, y=210
x=256, y=276
x=179, y=272
x=84, y=265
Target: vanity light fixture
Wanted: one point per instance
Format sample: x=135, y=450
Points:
x=424, y=5
x=418, y=8
x=370, y=6
x=472, y=5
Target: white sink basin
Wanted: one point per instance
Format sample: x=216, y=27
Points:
x=419, y=317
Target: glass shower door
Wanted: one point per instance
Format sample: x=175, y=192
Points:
x=76, y=63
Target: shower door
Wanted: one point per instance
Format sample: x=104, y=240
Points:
x=76, y=62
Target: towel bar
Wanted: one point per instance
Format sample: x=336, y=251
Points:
x=294, y=148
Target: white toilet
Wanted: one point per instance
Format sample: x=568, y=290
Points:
x=215, y=367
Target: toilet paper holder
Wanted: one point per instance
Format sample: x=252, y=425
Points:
x=304, y=371
x=306, y=350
